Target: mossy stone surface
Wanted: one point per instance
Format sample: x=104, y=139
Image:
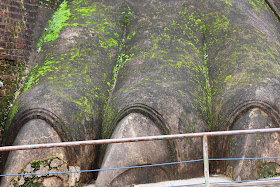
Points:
x=68, y=86
x=189, y=66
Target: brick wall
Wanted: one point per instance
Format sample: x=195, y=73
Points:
x=16, y=18
x=16, y=21
x=20, y=29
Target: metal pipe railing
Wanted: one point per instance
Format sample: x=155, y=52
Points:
x=206, y=161
x=137, y=139
x=148, y=138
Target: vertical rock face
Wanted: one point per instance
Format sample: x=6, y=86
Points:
x=244, y=73
x=200, y=65
x=252, y=146
x=42, y=160
x=162, y=80
x=116, y=69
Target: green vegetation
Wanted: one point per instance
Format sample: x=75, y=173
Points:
x=51, y=4
x=228, y=2
x=122, y=57
x=194, y=44
x=90, y=51
x=55, y=25
x=258, y=5
x=208, y=93
x=227, y=78
x=266, y=170
x=30, y=79
x=34, y=181
x=17, y=70
x=17, y=29
x=12, y=113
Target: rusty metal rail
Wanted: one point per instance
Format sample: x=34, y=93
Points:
x=137, y=139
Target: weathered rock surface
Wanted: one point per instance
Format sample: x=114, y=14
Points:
x=69, y=84
x=137, y=68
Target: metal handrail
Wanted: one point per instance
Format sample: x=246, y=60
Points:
x=137, y=139
x=148, y=138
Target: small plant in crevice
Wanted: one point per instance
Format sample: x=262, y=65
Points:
x=17, y=70
x=53, y=164
x=123, y=58
x=208, y=93
x=55, y=25
x=51, y=4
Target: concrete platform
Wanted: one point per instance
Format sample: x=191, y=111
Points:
x=218, y=180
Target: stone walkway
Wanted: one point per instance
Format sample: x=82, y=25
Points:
x=214, y=178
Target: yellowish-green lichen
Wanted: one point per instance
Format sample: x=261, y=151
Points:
x=258, y=5
x=12, y=114
x=55, y=25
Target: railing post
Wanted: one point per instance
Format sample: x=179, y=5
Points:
x=206, y=162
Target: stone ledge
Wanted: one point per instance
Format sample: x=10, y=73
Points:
x=215, y=178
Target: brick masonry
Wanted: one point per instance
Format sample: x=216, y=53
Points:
x=16, y=18
x=16, y=26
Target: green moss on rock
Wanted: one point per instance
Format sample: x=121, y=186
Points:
x=55, y=25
